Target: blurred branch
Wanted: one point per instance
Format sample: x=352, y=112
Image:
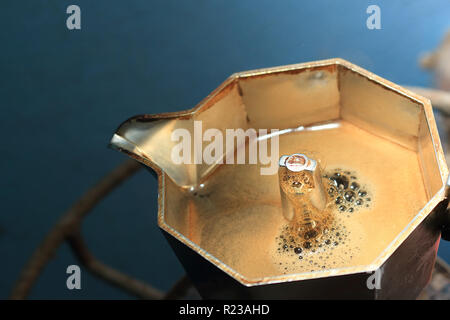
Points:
x=123, y=281
x=179, y=289
x=439, y=99
x=68, y=228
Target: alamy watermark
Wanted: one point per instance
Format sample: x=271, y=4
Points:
x=74, y=280
x=73, y=21
x=374, y=20
x=374, y=280
x=220, y=149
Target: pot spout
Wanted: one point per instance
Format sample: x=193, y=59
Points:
x=148, y=139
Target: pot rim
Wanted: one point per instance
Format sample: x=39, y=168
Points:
x=125, y=146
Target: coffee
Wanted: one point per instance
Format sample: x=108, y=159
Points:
x=237, y=215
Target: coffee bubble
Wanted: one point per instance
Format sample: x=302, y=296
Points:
x=345, y=194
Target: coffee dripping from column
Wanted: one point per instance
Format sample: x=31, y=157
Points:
x=317, y=207
x=304, y=201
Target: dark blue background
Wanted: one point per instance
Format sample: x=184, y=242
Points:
x=63, y=93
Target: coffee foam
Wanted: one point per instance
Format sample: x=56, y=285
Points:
x=237, y=217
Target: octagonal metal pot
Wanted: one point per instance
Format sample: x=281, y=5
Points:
x=288, y=97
